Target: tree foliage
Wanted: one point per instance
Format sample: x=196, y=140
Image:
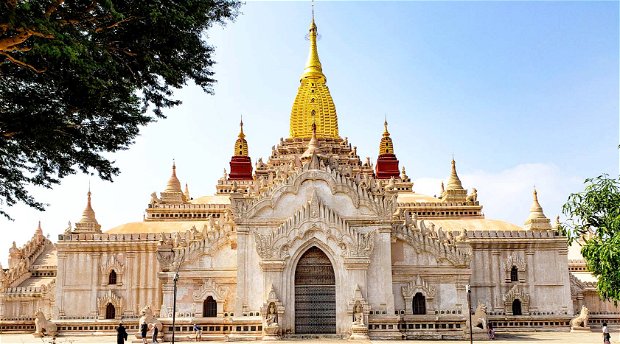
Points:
x=79, y=78
x=594, y=222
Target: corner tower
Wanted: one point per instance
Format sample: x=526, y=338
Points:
x=387, y=164
x=313, y=103
x=240, y=163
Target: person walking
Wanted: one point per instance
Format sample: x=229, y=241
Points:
x=155, y=333
x=144, y=327
x=198, y=332
x=606, y=335
x=491, y=331
x=121, y=334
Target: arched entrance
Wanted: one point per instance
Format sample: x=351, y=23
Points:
x=516, y=307
x=419, y=304
x=110, y=312
x=209, y=308
x=315, y=294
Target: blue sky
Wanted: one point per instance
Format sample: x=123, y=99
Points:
x=522, y=93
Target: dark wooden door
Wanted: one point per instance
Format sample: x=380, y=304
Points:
x=315, y=294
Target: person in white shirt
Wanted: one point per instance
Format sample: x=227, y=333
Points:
x=606, y=335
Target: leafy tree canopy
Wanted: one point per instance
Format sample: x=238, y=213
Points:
x=77, y=78
x=594, y=222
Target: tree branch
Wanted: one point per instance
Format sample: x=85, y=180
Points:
x=53, y=8
x=22, y=63
x=9, y=43
x=130, y=18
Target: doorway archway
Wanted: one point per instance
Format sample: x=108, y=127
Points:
x=315, y=294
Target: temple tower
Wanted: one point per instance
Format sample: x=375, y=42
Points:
x=537, y=219
x=88, y=223
x=240, y=163
x=313, y=103
x=454, y=191
x=387, y=164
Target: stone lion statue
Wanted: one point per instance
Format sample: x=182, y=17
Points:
x=146, y=316
x=479, y=319
x=581, y=320
x=43, y=327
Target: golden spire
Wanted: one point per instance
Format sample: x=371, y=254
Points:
x=536, y=211
x=39, y=230
x=174, y=185
x=454, y=183
x=88, y=215
x=386, y=146
x=313, y=103
x=186, y=192
x=313, y=67
x=241, y=145
x=88, y=222
x=537, y=219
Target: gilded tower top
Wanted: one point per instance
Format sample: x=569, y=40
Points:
x=241, y=145
x=454, y=183
x=386, y=146
x=537, y=219
x=174, y=185
x=88, y=222
x=313, y=103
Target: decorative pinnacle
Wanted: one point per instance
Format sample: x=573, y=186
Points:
x=454, y=183
x=241, y=134
x=174, y=185
x=385, y=128
x=313, y=67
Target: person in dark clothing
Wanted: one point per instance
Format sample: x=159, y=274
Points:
x=155, y=333
x=121, y=334
x=144, y=327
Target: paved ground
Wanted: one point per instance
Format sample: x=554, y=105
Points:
x=520, y=338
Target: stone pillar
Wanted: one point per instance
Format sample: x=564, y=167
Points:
x=242, y=265
x=383, y=252
x=132, y=291
x=95, y=271
x=497, y=275
x=168, y=292
x=530, y=283
x=60, y=283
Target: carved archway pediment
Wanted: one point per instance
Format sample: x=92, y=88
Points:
x=210, y=288
x=313, y=217
x=373, y=198
x=517, y=293
x=435, y=241
x=419, y=285
x=186, y=247
x=110, y=297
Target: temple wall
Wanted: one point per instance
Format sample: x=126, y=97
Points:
x=83, y=278
x=543, y=283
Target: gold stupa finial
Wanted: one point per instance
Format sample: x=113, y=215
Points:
x=174, y=185
x=241, y=145
x=536, y=210
x=313, y=101
x=454, y=183
x=386, y=146
x=313, y=64
x=88, y=215
x=39, y=230
x=537, y=218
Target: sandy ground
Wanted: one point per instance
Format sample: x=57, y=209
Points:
x=520, y=338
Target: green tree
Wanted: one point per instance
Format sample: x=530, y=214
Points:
x=79, y=78
x=594, y=222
